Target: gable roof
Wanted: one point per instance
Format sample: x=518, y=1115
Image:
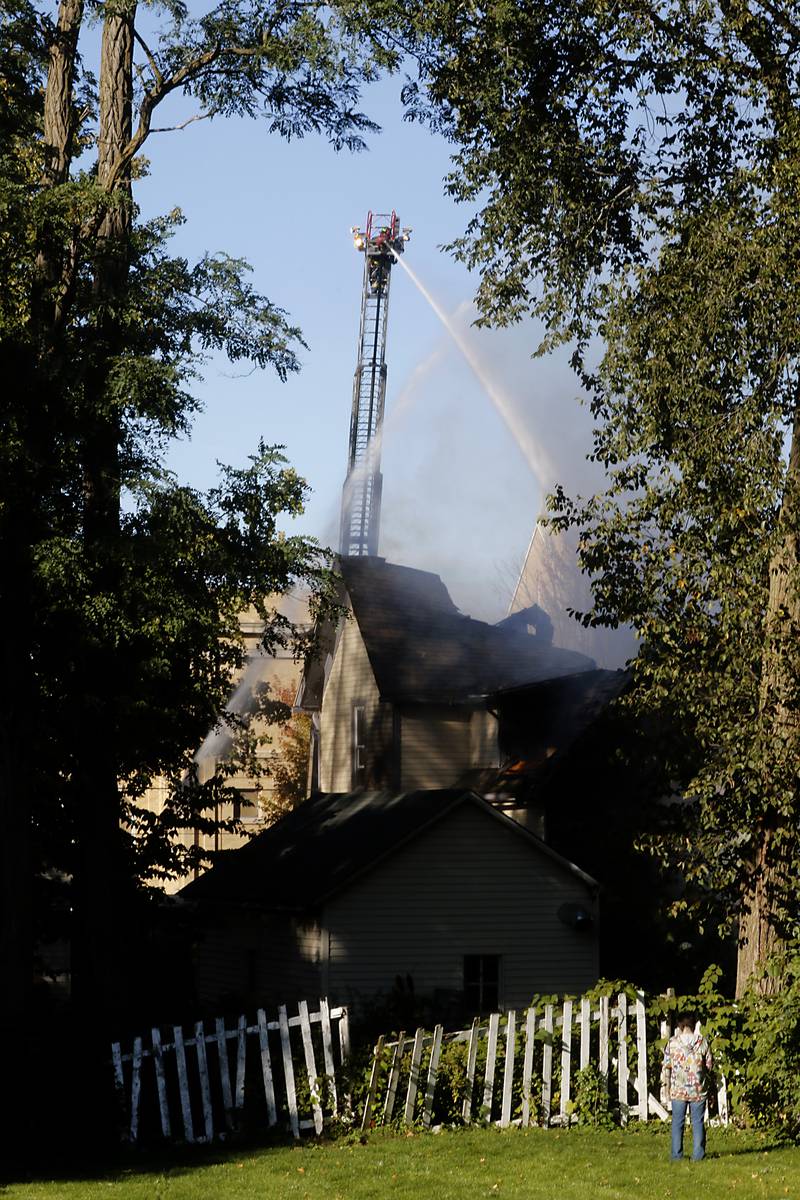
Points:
x=329, y=840
x=423, y=650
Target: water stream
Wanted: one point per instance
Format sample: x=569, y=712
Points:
x=535, y=457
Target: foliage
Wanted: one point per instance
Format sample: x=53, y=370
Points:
x=290, y=767
x=633, y=175
x=592, y=1103
x=123, y=587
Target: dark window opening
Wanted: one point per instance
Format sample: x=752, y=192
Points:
x=359, y=771
x=481, y=983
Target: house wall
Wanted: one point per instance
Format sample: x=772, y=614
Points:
x=246, y=958
x=434, y=746
x=350, y=682
x=468, y=885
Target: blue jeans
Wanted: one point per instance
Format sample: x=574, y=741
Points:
x=698, y=1110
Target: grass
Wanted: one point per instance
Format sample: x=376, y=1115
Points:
x=454, y=1165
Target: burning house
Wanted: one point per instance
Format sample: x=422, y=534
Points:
x=419, y=853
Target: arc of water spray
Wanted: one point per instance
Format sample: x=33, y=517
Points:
x=534, y=456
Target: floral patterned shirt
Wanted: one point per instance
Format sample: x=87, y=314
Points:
x=688, y=1065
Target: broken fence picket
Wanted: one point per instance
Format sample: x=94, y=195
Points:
x=188, y=1081
x=599, y=1027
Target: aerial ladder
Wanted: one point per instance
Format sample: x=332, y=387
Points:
x=381, y=242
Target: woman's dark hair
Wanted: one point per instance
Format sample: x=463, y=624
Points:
x=686, y=1019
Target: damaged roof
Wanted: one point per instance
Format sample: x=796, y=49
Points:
x=332, y=838
x=422, y=649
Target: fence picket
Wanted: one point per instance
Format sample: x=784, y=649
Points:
x=433, y=1068
x=472, y=1058
x=327, y=1051
x=266, y=1068
x=288, y=1070
x=136, y=1087
x=205, y=1090
x=373, y=1084
x=566, y=1061
x=311, y=1065
x=394, y=1076
x=508, y=1072
x=586, y=1033
x=547, y=1064
x=641, y=1057
x=527, y=1066
x=224, y=1072
x=183, y=1084
x=413, y=1077
x=241, y=1060
x=622, y=1056
x=161, y=1083
x=603, y=1052
x=491, y=1058
x=666, y=1033
x=119, y=1086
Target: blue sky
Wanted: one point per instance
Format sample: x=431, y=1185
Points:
x=459, y=495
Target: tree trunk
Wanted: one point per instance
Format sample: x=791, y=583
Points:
x=99, y=936
x=768, y=888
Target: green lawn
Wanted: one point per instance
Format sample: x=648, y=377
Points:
x=535, y=1165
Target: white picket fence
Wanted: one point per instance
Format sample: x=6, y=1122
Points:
x=178, y=1079
x=600, y=1035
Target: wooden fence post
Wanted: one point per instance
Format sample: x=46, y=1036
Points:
x=205, y=1090
x=311, y=1065
x=327, y=1050
x=622, y=1056
x=288, y=1070
x=491, y=1058
x=224, y=1072
x=161, y=1083
x=547, y=1064
x=394, y=1076
x=136, y=1087
x=527, y=1066
x=413, y=1077
x=641, y=1057
x=586, y=1033
x=566, y=1062
x=241, y=1061
x=508, y=1072
x=373, y=1084
x=603, y=1050
x=472, y=1058
x=266, y=1069
x=183, y=1084
x=433, y=1068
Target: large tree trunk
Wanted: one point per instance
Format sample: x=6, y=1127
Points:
x=22, y=527
x=99, y=943
x=769, y=887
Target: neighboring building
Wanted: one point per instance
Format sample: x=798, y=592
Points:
x=279, y=673
x=401, y=701
x=349, y=892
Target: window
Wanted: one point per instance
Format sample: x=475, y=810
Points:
x=481, y=983
x=246, y=807
x=359, y=759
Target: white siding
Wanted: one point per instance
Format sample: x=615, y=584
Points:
x=435, y=747
x=350, y=682
x=466, y=886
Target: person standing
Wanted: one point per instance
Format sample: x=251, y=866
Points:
x=688, y=1065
